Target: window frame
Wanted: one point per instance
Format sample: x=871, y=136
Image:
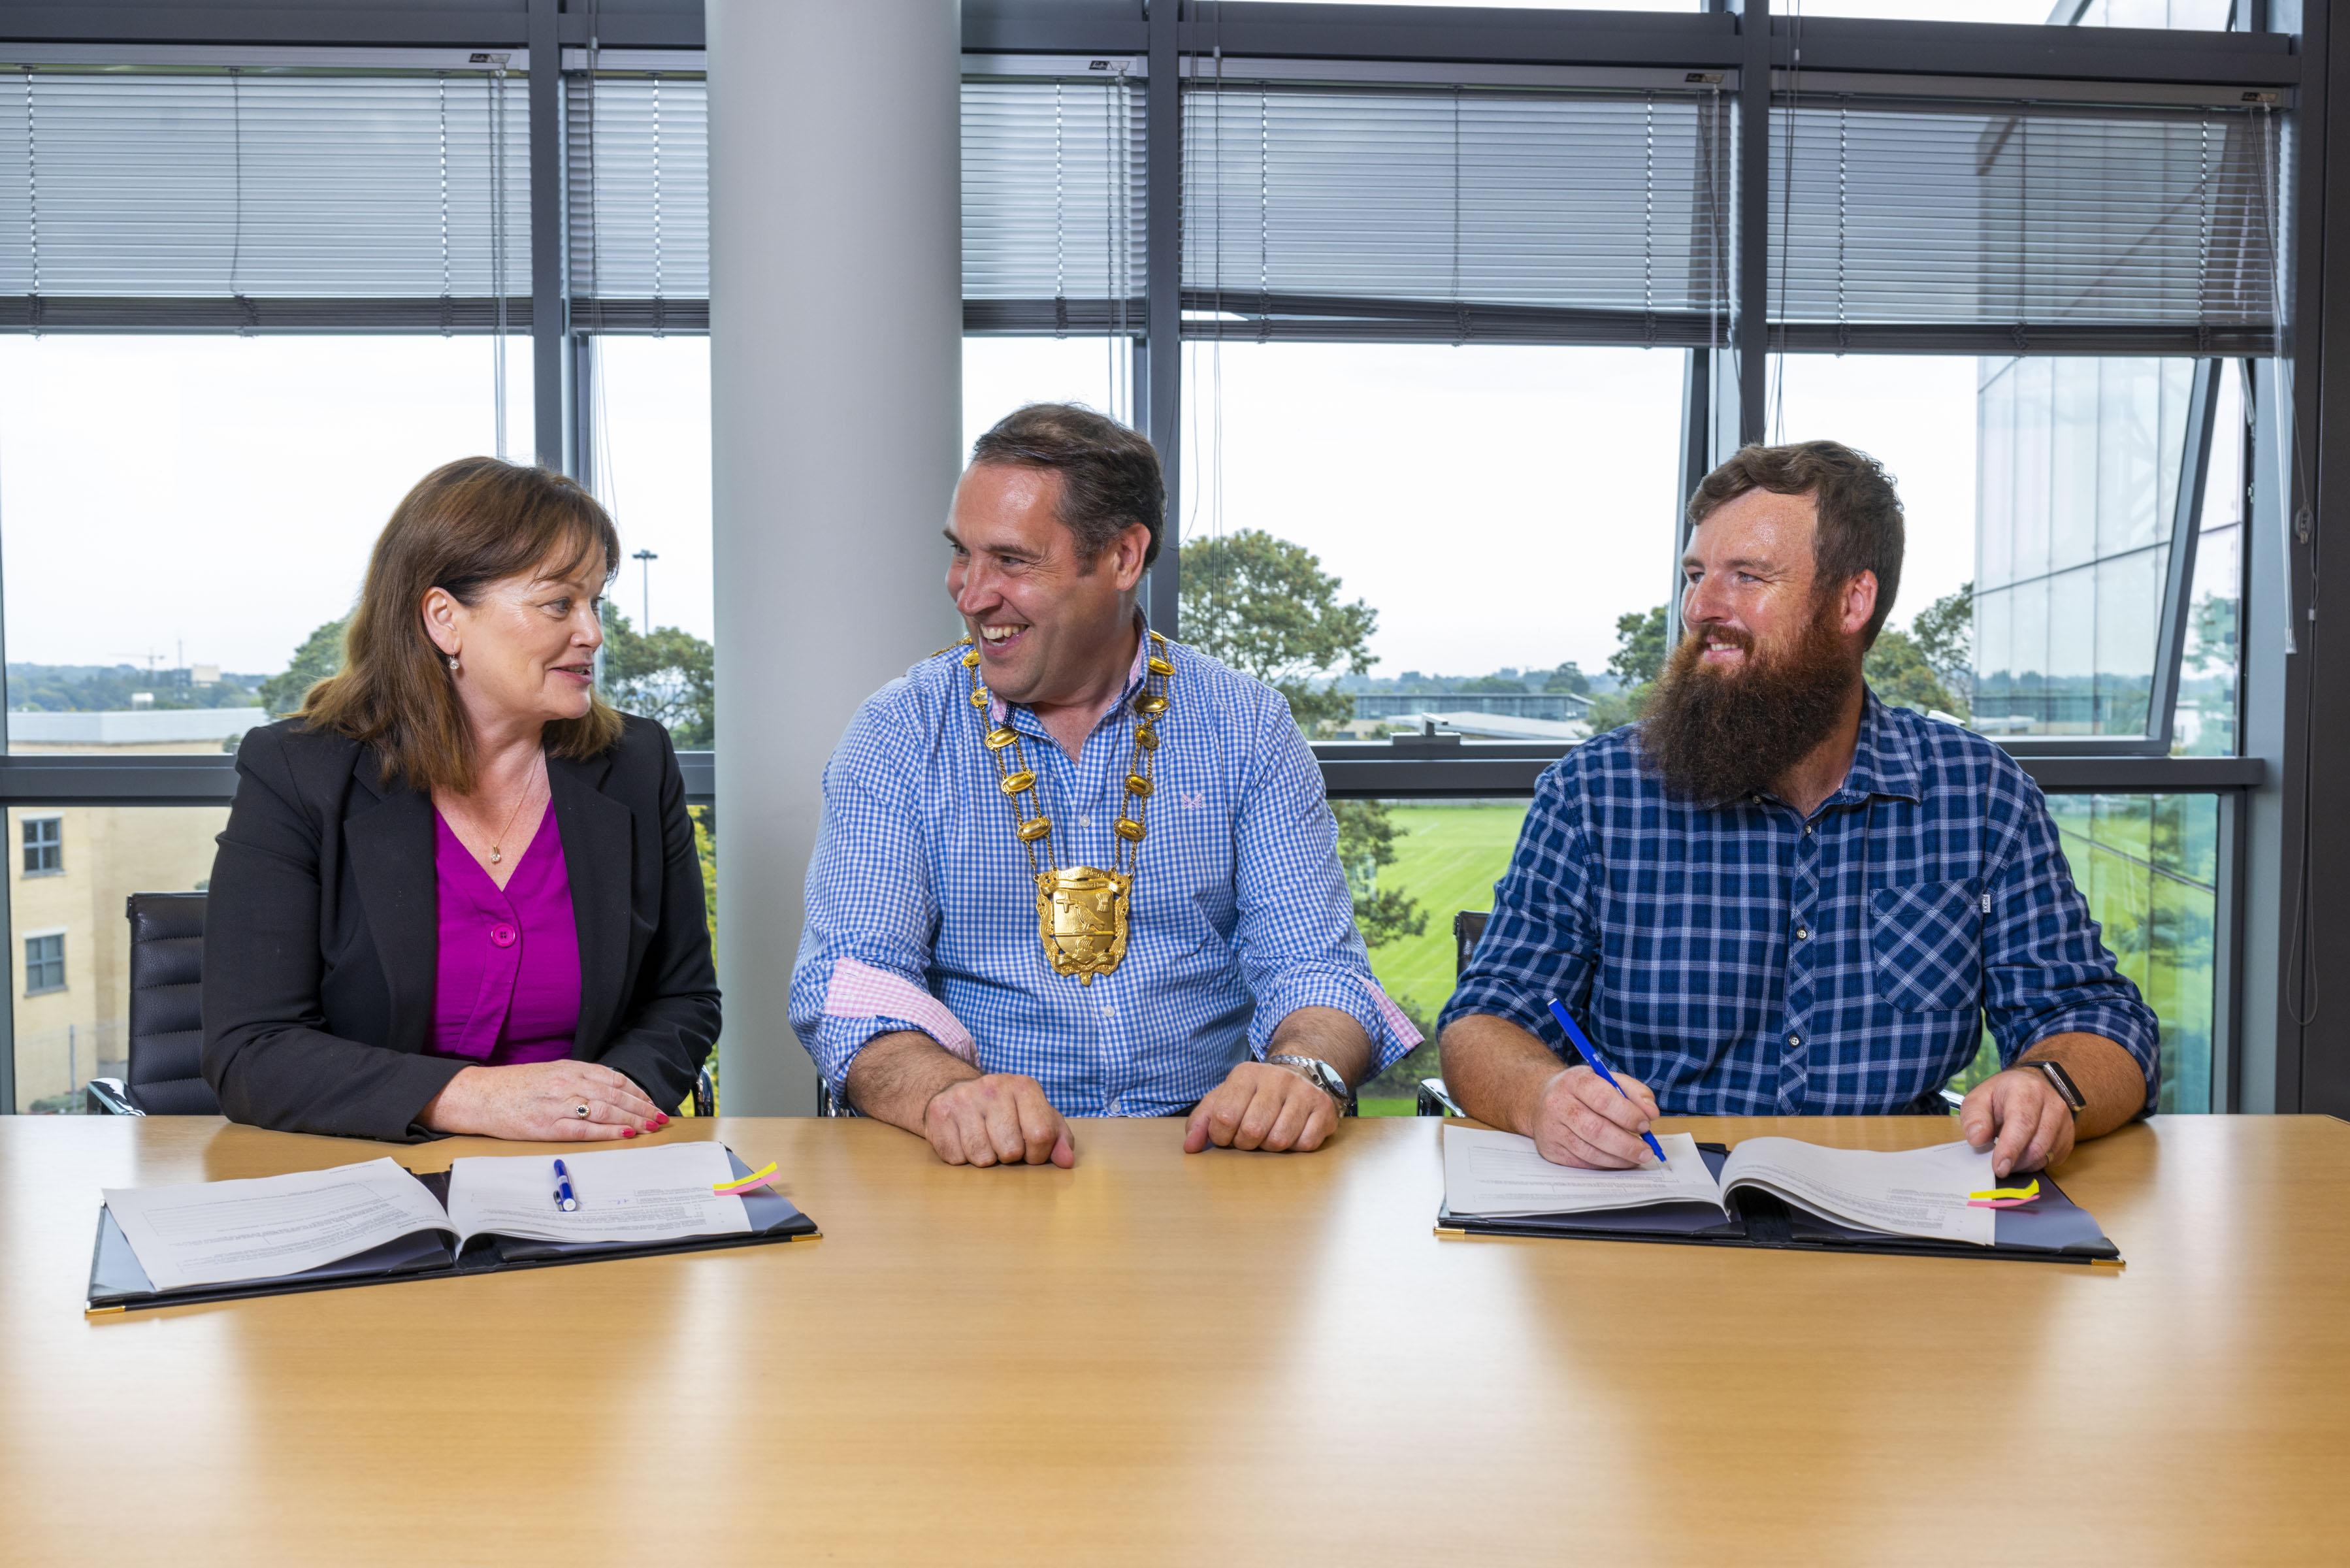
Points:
x=1740, y=40
x=56, y=935
x=49, y=846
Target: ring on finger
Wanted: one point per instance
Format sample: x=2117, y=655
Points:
x=580, y=1111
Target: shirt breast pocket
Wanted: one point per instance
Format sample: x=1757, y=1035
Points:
x=1928, y=943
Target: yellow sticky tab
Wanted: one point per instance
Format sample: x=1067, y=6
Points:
x=758, y=1178
x=2031, y=1191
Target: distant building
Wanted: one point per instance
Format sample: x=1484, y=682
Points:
x=71, y=870
x=1491, y=726
x=1554, y=706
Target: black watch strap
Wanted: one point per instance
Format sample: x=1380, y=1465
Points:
x=2067, y=1090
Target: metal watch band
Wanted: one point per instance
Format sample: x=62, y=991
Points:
x=2061, y=1081
x=1322, y=1077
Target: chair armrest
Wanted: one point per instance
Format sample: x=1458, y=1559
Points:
x=705, y=1094
x=1435, y=1101
x=108, y=1097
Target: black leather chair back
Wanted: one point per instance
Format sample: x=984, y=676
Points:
x=1468, y=925
x=165, y=1076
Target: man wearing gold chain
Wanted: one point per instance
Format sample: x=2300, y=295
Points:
x=1069, y=867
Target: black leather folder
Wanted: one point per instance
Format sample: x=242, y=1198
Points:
x=118, y=1284
x=2053, y=1230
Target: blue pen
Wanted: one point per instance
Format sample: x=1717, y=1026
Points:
x=1590, y=1053
x=562, y=1199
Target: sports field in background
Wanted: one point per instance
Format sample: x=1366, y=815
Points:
x=1448, y=856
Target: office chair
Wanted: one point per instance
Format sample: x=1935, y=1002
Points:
x=1468, y=925
x=165, y=1073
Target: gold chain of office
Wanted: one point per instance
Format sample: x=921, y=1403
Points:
x=1082, y=914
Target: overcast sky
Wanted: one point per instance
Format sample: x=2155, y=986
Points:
x=1497, y=506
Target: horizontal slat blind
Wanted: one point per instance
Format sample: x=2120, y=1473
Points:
x=1053, y=200
x=261, y=199
x=1566, y=216
x=1998, y=229
x=1052, y=203
x=640, y=207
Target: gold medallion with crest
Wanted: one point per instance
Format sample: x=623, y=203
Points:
x=1082, y=914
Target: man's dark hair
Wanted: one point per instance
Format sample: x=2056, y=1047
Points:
x=1859, y=513
x=1109, y=475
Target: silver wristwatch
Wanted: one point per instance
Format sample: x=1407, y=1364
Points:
x=1322, y=1077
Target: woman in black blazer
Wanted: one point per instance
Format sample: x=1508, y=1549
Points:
x=391, y=949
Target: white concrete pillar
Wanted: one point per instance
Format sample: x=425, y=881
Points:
x=835, y=371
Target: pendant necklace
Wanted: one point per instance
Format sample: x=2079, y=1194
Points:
x=529, y=788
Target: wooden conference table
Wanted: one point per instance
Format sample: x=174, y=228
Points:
x=1225, y=1357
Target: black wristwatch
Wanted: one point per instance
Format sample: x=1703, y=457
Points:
x=2066, y=1090
x=1322, y=1077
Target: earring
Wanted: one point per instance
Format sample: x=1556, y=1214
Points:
x=452, y=664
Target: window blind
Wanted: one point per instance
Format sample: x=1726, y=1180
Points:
x=1456, y=215
x=640, y=203
x=1053, y=200
x=261, y=200
x=1981, y=229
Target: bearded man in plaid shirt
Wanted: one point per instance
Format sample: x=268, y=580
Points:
x=1777, y=896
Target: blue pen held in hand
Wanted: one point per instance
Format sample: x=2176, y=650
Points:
x=1591, y=1056
x=562, y=1199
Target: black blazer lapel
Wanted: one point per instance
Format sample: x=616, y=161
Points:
x=599, y=856
x=390, y=843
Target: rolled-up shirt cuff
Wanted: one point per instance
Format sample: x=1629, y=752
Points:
x=1494, y=1000
x=1355, y=995
x=862, y=1003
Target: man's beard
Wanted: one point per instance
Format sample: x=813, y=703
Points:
x=1714, y=735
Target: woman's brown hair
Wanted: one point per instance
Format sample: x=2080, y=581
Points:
x=465, y=525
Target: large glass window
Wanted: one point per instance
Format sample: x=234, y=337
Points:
x=1000, y=374
x=1443, y=858
x=2077, y=484
x=1500, y=512
x=2211, y=668
x=72, y=997
x=2040, y=495
x=650, y=416
x=188, y=517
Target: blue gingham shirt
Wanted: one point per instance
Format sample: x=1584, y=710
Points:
x=922, y=908
x=1742, y=959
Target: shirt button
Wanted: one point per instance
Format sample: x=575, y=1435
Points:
x=1084, y=821
x=1807, y=830
x=1803, y=933
x=502, y=935
x=1794, y=1040
x=1112, y=1106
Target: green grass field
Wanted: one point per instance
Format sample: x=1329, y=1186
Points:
x=1448, y=856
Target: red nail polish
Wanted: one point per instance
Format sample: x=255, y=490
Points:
x=661, y=1118
x=627, y=1132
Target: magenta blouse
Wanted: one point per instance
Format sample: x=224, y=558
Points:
x=508, y=984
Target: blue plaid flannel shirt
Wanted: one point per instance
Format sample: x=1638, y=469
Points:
x=1742, y=961
x=922, y=910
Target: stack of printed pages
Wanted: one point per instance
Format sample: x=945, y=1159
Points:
x=377, y=1221
x=1771, y=1192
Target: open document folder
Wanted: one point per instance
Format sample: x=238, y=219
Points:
x=361, y=1224
x=1772, y=1192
